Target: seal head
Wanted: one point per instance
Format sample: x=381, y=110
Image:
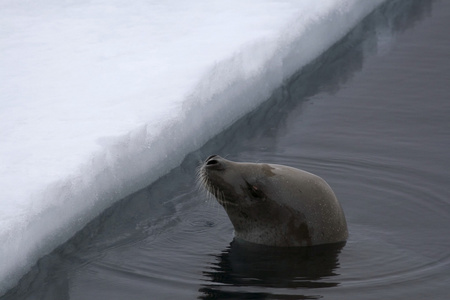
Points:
x=275, y=205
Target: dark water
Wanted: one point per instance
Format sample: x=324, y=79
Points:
x=371, y=116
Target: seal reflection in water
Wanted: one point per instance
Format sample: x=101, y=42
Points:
x=275, y=205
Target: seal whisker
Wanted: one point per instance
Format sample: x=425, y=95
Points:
x=205, y=187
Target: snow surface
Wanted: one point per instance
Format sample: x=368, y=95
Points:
x=100, y=98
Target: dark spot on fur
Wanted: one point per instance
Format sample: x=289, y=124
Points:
x=304, y=233
x=244, y=215
x=298, y=228
x=267, y=170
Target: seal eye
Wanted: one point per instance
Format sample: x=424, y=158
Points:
x=255, y=191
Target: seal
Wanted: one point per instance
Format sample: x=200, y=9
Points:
x=275, y=205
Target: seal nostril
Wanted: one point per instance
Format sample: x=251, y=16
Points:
x=212, y=162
